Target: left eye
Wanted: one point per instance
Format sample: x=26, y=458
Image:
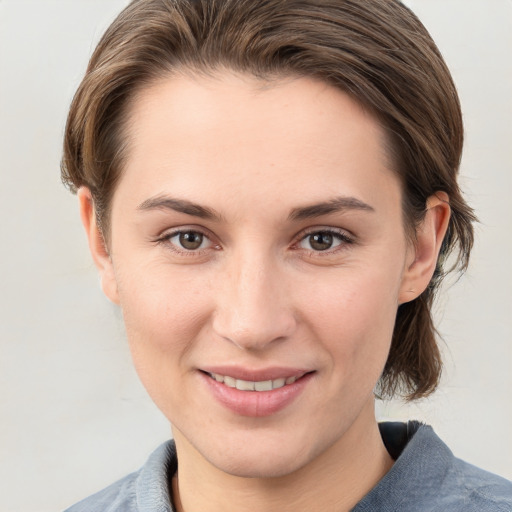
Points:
x=189, y=240
x=322, y=241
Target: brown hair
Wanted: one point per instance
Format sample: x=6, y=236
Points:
x=375, y=50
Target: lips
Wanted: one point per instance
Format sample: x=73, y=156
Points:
x=256, y=393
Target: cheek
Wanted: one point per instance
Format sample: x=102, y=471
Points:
x=155, y=301
x=163, y=315
x=354, y=316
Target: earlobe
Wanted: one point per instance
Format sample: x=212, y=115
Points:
x=425, y=251
x=97, y=246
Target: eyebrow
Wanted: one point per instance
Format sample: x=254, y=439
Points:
x=335, y=205
x=179, y=205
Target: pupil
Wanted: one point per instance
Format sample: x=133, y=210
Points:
x=191, y=240
x=321, y=241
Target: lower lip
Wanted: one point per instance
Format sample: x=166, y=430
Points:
x=256, y=403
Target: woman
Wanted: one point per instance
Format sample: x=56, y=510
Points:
x=269, y=191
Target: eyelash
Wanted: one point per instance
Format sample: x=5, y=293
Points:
x=342, y=236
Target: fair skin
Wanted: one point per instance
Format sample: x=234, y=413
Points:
x=249, y=283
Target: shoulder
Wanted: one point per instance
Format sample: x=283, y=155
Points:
x=456, y=484
x=459, y=486
x=427, y=476
x=473, y=489
x=119, y=496
x=146, y=489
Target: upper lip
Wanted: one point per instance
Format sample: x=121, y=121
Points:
x=255, y=375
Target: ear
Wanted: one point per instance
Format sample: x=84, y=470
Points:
x=425, y=251
x=97, y=246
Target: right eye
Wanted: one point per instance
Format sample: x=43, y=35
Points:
x=187, y=241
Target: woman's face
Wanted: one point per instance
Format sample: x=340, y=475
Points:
x=257, y=241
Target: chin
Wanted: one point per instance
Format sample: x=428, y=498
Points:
x=263, y=456
x=260, y=465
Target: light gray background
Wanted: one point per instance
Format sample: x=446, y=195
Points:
x=73, y=416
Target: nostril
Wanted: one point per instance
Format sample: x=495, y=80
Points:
x=254, y=331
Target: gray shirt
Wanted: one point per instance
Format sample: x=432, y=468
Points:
x=425, y=477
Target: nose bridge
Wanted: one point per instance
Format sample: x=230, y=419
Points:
x=253, y=309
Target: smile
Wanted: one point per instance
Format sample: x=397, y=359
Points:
x=256, y=393
x=247, y=385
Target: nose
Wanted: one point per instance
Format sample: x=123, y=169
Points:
x=253, y=307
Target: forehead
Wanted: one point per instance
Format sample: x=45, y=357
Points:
x=237, y=135
x=241, y=105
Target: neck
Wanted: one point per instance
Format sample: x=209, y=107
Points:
x=335, y=480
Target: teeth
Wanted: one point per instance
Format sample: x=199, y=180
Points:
x=264, y=385
x=278, y=383
x=247, y=385
x=229, y=381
